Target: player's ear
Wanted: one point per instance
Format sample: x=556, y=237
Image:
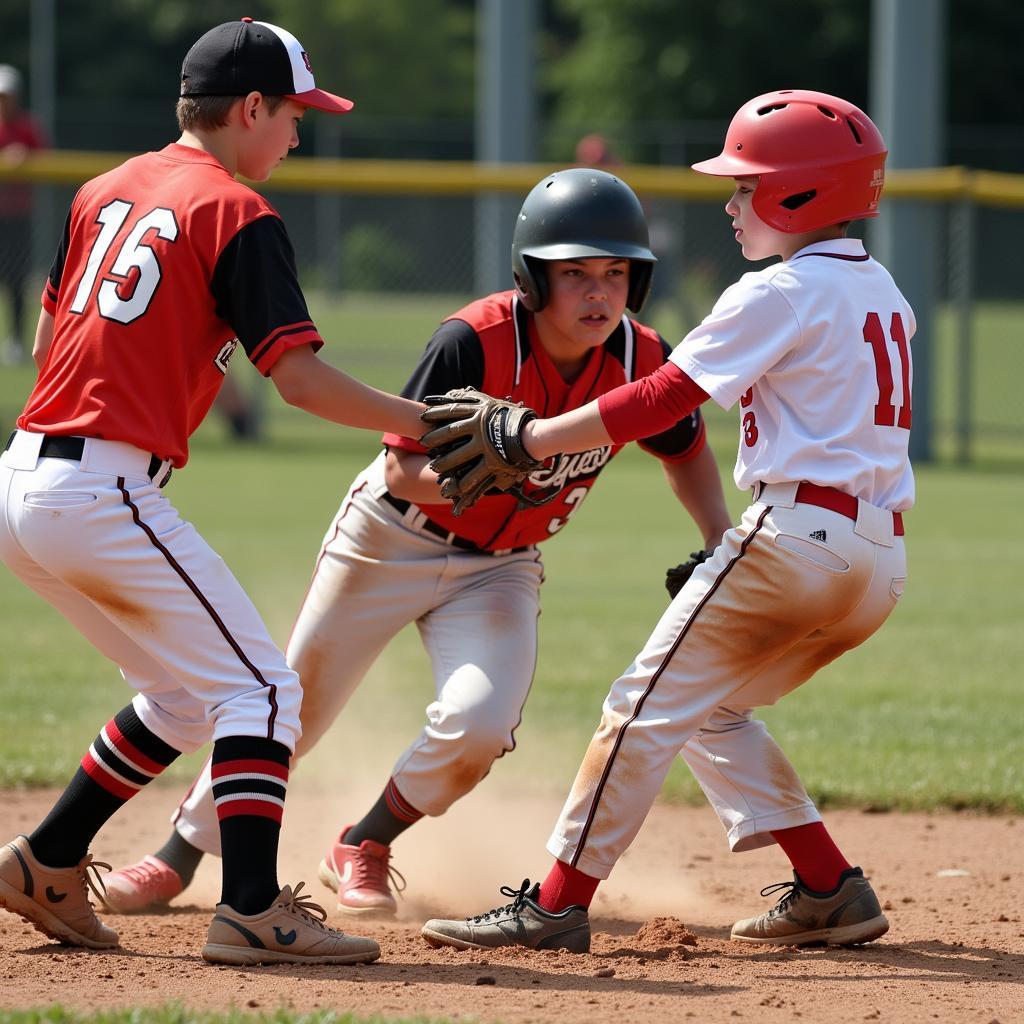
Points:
x=250, y=104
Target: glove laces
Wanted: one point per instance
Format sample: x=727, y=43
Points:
x=519, y=898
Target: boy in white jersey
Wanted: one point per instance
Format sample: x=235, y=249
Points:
x=815, y=351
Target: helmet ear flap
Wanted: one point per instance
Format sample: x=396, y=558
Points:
x=641, y=274
x=531, y=282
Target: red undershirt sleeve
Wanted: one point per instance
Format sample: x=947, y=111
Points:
x=650, y=405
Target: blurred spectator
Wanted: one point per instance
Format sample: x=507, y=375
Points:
x=242, y=413
x=20, y=133
x=594, y=150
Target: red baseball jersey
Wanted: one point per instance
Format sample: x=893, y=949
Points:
x=492, y=345
x=166, y=264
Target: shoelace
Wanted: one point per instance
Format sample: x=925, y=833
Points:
x=509, y=908
x=306, y=907
x=376, y=872
x=783, y=903
x=92, y=881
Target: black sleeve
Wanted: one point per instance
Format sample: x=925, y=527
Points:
x=677, y=441
x=61, y=256
x=453, y=358
x=256, y=285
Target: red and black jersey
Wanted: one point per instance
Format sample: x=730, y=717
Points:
x=492, y=345
x=166, y=264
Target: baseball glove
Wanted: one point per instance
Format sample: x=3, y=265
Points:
x=676, y=577
x=475, y=446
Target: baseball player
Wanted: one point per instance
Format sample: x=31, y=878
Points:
x=815, y=349
x=166, y=265
x=396, y=554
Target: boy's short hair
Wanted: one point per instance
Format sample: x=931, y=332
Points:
x=208, y=113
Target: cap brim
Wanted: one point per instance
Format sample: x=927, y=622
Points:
x=320, y=100
x=724, y=166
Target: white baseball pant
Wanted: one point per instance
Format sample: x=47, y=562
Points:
x=788, y=590
x=98, y=540
x=476, y=614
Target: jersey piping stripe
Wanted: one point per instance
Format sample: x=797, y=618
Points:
x=629, y=362
x=654, y=680
x=835, y=256
x=211, y=611
x=519, y=320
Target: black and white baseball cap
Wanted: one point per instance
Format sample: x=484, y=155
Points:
x=245, y=56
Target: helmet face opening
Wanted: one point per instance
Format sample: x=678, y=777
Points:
x=580, y=213
x=819, y=159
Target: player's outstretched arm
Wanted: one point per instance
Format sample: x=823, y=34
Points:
x=309, y=383
x=642, y=408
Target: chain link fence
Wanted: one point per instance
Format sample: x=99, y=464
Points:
x=417, y=245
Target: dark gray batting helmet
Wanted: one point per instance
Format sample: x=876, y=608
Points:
x=574, y=214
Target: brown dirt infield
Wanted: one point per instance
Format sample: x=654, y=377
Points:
x=952, y=887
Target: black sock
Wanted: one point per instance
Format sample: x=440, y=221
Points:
x=123, y=758
x=250, y=780
x=180, y=854
x=387, y=819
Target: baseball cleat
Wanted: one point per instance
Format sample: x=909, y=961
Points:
x=55, y=901
x=141, y=886
x=292, y=931
x=523, y=922
x=847, y=916
x=360, y=876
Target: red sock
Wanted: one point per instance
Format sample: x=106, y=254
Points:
x=813, y=854
x=566, y=887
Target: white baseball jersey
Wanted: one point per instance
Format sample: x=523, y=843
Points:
x=816, y=351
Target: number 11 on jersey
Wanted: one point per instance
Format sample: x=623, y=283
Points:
x=874, y=335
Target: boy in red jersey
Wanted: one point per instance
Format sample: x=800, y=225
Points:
x=395, y=554
x=166, y=265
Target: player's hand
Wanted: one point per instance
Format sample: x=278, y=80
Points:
x=476, y=445
x=676, y=577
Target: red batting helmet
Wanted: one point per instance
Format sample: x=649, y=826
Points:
x=820, y=159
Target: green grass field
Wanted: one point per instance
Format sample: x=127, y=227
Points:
x=180, y=1015
x=923, y=716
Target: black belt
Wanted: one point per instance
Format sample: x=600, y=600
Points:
x=59, y=446
x=403, y=506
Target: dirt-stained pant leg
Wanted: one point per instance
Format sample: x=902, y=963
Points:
x=113, y=555
x=374, y=576
x=755, y=621
x=482, y=641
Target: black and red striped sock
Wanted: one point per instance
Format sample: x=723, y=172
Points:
x=123, y=758
x=387, y=819
x=250, y=781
